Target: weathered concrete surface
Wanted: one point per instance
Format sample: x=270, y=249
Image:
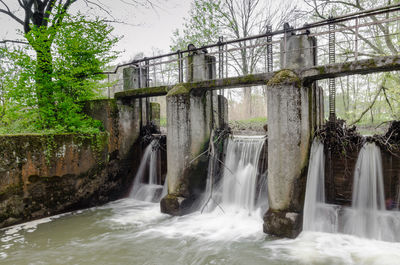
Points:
x=143, y=92
x=134, y=77
x=289, y=133
x=373, y=65
x=292, y=115
x=42, y=175
x=308, y=75
x=189, y=122
x=189, y=127
x=200, y=67
x=221, y=121
x=299, y=52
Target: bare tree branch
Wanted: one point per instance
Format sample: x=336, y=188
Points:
x=13, y=41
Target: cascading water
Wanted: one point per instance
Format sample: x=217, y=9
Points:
x=368, y=216
x=237, y=190
x=152, y=191
x=318, y=215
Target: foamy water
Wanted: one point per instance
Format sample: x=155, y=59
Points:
x=134, y=232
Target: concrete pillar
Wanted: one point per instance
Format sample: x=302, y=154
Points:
x=289, y=134
x=136, y=77
x=189, y=122
x=222, y=113
x=298, y=51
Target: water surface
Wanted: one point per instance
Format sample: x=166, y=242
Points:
x=133, y=232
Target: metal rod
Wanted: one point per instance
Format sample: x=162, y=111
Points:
x=362, y=14
x=332, y=82
x=356, y=41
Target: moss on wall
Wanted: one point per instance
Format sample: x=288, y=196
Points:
x=285, y=77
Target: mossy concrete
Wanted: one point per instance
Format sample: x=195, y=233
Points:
x=290, y=124
x=285, y=76
x=42, y=175
x=190, y=115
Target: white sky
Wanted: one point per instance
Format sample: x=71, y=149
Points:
x=150, y=28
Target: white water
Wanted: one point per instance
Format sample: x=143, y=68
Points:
x=318, y=215
x=368, y=217
x=236, y=191
x=152, y=191
x=135, y=232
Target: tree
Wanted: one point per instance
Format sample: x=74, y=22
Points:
x=233, y=19
x=52, y=99
x=374, y=40
x=43, y=27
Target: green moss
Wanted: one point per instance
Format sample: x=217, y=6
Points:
x=179, y=89
x=247, y=79
x=370, y=63
x=346, y=66
x=285, y=77
x=321, y=70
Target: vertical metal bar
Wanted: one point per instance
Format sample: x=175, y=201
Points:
x=220, y=60
x=332, y=82
x=147, y=84
x=270, y=66
x=180, y=67
x=226, y=61
x=356, y=41
x=154, y=74
x=140, y=76
x=284, y=46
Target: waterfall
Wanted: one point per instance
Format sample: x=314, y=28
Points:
x=318, y=215
x=152, y=191
x=237, y=189
x=367, y=217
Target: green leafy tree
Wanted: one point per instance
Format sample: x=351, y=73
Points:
x=63, y=54
x=81, y=49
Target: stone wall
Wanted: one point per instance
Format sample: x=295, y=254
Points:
x=43, y=175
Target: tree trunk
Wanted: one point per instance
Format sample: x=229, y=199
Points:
x=44, y=86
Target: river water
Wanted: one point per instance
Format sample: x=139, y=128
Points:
x=227, y=229
x=134, y=232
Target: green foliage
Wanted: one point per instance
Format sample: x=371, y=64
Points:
x=255, y=124
x=43, y=86
x=203, y=26
x=163, y=122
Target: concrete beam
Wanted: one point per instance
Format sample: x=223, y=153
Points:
x=368, y=66
x=143, y=92
x=308, y=75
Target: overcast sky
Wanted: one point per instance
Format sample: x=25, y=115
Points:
x=150, y=28
x=146, y=29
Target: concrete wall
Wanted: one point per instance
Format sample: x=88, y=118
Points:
x=191, y=115
x=42, y=175
x=294, y=112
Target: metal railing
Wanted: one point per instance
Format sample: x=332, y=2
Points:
x=350, y=37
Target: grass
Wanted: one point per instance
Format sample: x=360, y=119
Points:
x=255, y=124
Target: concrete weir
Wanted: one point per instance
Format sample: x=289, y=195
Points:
x=191, y=115
x=293, y=112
